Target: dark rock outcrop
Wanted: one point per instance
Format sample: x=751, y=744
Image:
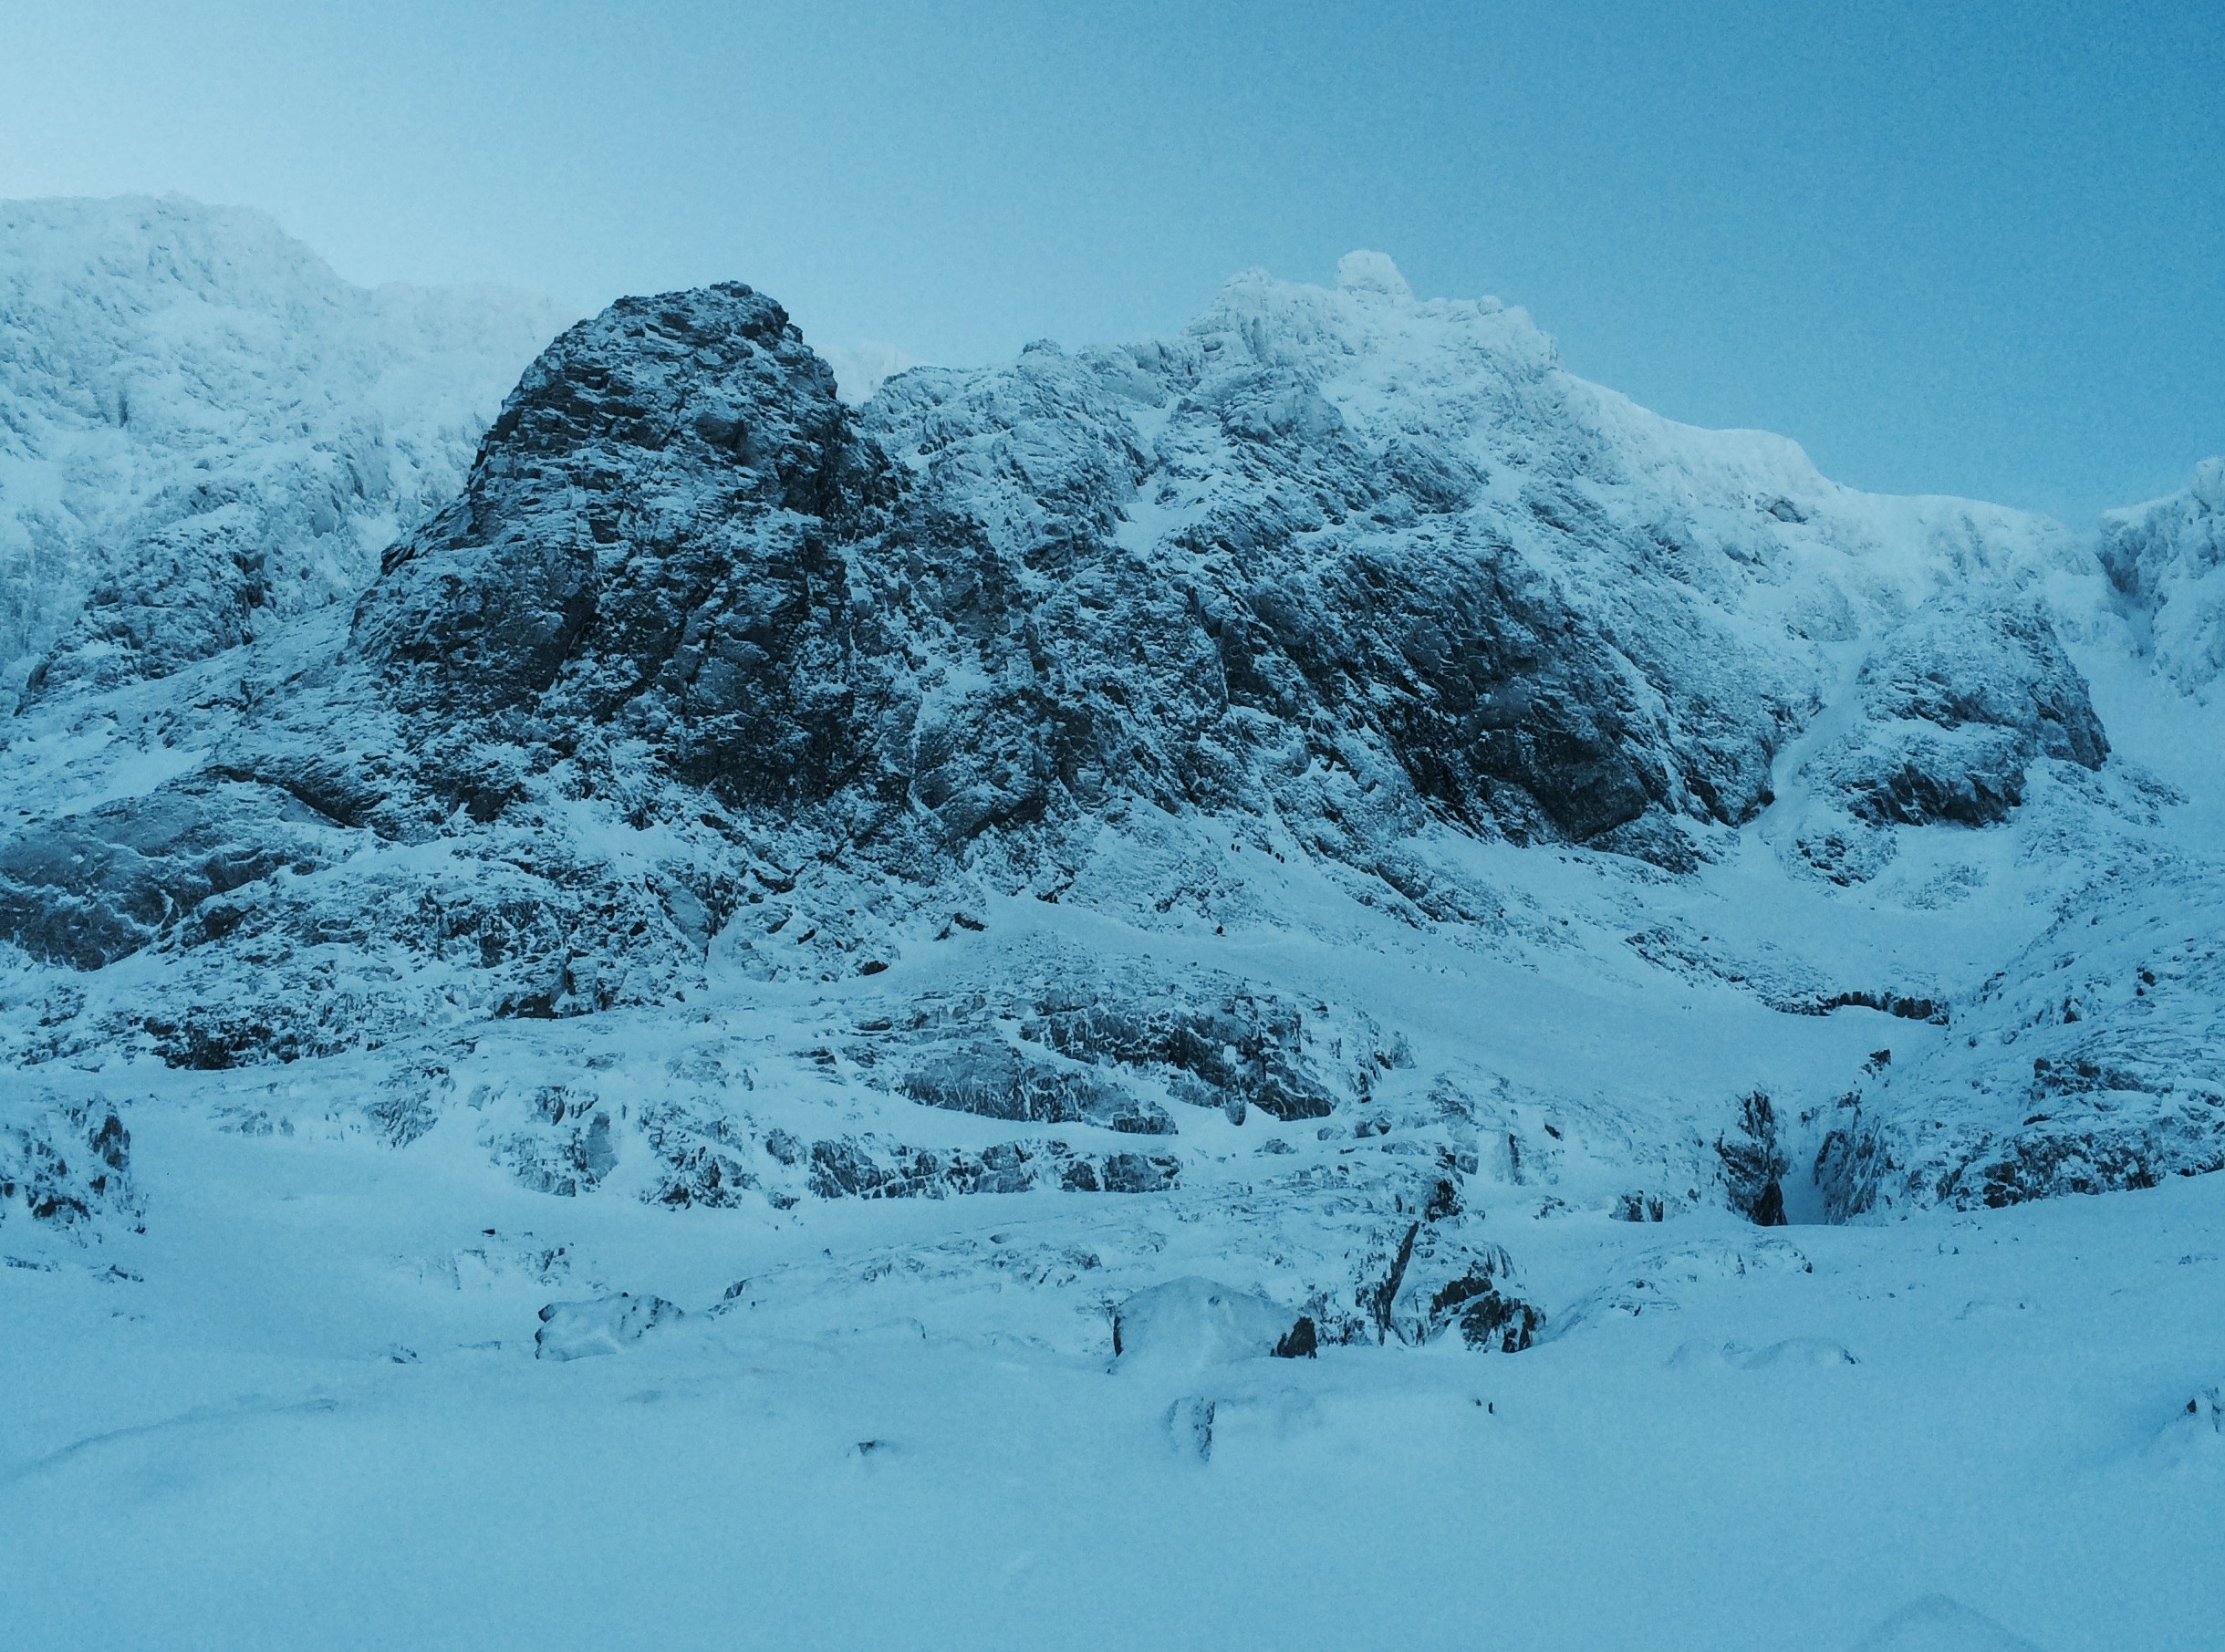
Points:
x=651, y=544
x=91, y=888
x=1753, y=1163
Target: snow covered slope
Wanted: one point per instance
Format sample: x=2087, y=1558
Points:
x=304, y=1411
x=203, y=430
x=1320, y=833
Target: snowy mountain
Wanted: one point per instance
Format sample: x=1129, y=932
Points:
x=2165, y=558
x=203, y=430
x=1324, y=834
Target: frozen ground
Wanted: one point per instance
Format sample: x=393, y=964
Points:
x=304, y=1410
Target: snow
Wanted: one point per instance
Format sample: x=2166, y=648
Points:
x=169, y=370
x=2167, y=559
x=528, y=1232
x=1364, y=271
x=860, y=369
x=315, y=1418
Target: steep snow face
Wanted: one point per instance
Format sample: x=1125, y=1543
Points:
x=203, y=430
x=2167, y=557
x=1330, y=779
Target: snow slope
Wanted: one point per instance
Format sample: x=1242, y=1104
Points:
x=821, y=988
x=312, y=1417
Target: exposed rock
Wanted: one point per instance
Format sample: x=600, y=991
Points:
x=571, y=1154
x=1242, y=1051
x=1420, y=1279
x=1956, y=705
x=1753, y=1163
x=703, y=1159
x=87, y=889
x=65, y=1164
x=865, y=1169
x=1302, y=1341
x=996, y=1081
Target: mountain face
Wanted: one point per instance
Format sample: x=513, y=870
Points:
x=203, y=431
x=1331, y=773
x=2164, y=557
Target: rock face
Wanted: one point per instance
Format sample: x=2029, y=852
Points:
x=676, y=534
x=946, y=618
x=115, y=877
x=1335, y=724
x=205, y=430
x=1956, y=707
x=2094, y=1063
x=2167, y=559
x=1353, y=618
x=649, y=546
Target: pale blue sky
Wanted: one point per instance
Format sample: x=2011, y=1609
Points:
x=1970, y=248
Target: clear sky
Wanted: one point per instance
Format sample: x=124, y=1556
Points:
x=1969, y=247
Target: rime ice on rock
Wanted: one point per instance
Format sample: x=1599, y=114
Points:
x=1363, y=272
x=1065, y=729
x=203, y=431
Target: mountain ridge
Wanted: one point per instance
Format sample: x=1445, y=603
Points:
x=206, y=429
x=1005, y=762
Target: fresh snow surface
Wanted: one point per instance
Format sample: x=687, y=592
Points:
x=304, y=1411
x=1766, y=1214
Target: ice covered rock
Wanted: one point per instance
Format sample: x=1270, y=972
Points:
x=1191, y=1324
x=2167, y=559
x=992, y=1079
x=2092, y=1063
x=1422, y=1279
x=1241, y=644
x=64, y=1164
x=864, y=1168
x=89, y=888
x=1955, y=706
x=1219, y=1044
x=203, y=430
x=600, y=1324
x=1754, y=1162
x=649, y=539
x=1213, y=575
